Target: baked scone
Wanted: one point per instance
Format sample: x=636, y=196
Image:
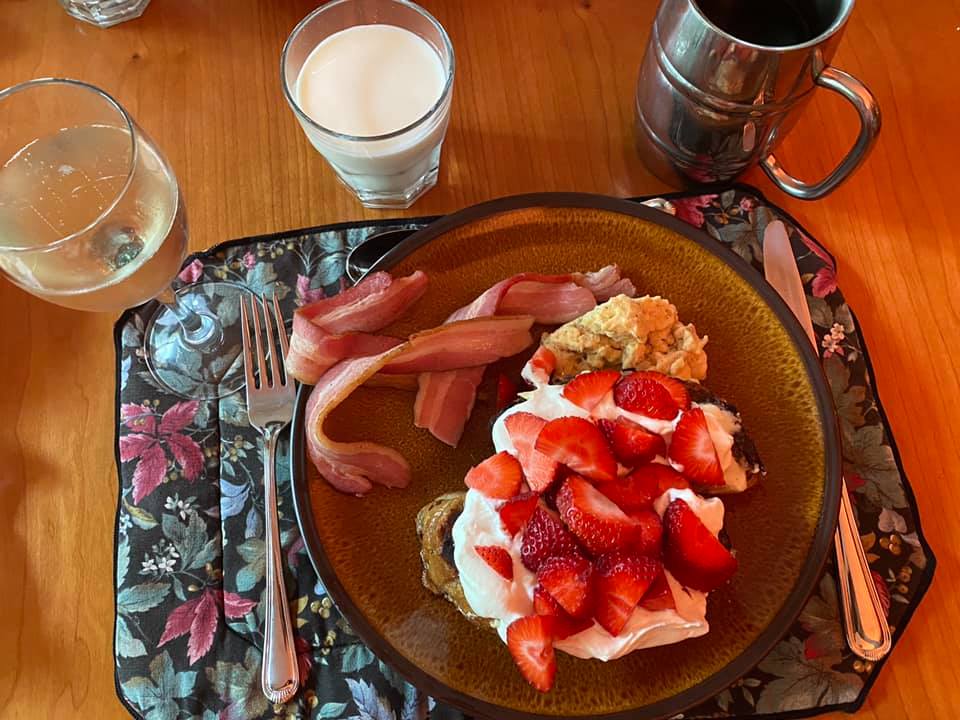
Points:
x=625, y=333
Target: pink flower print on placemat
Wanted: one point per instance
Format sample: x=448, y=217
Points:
x=147, y=446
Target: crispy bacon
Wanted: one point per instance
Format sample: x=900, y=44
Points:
x=338, y=327
x=354, y=467
x=444, y=402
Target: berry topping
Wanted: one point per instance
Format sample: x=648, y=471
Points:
x=593, y=518
x=545, y=537
x=567, y=579
x=515, y=512
x=691, y=553
x=530, y=641
x=578, y=444
x=497, y=558
x=587, y=389
x=498, y=476
x=693, y=449
x=643, y=393
x=620, y=582
x=538, y=469
x=631, y=444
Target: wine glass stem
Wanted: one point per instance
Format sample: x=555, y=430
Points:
x=199, y=330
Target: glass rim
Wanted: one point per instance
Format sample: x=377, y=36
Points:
x=131, y=126
x=448, y=83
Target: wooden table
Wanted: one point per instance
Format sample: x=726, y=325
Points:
x=543, y=101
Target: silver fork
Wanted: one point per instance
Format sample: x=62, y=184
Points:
x=270, y=408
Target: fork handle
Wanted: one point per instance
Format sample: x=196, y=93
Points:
x=278, y=676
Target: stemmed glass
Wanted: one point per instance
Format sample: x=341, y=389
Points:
x=91, y=217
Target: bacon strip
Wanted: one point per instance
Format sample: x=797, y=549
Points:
x=330, y=329
x=307, y=361
x=444, y=402
x=549, y=303
x=354, y=467
x=605, y=283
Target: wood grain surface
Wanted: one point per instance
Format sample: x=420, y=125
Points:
x=543, y=101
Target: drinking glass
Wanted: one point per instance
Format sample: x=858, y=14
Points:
x=384, y=171
x=104, y=13
x=91, y=217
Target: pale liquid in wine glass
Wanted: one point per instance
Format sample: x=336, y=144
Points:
x=62, y=183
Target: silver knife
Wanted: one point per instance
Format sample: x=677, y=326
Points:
x=865, y=622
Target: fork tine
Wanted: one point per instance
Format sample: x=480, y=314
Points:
x=282, y=332
x=247, y=357
x=274, y=367
x=261, y=361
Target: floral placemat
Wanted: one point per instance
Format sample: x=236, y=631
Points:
x=189, y=529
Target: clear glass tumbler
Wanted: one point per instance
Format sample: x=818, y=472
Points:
x=91, y=218
x=384, y=171
x=104, y=13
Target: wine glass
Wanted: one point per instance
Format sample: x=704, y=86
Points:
x=91, y=217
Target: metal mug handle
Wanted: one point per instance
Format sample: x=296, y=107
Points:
x=868, y=108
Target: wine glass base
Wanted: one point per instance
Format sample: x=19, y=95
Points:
x=209, y=370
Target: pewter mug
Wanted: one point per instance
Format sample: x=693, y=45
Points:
x=723, y=81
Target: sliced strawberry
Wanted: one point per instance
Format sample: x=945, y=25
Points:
x=506, y=392
x=497, y=558
x=693, y=449
x=567, y=579
x=691, y=553
x=530, y=641
x=545, y=537
x=578, y=444
x=593, y=518
x=498, y=476
x=544, y=604
x=631, y=444
x=640, y=393
x=633, y=492
x=562, y=624
x=515, y=512
x=660, y=477
x=539, y=470
x=587, y=389
x=539, y=367
x=649, y=538
x=658, y=596
x=673, y=386
x=621, y=580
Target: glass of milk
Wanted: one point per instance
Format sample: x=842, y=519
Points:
x=370, y=82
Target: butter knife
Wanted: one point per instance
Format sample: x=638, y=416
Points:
x=865, y=622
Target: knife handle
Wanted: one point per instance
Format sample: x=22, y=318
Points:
x=867, y=629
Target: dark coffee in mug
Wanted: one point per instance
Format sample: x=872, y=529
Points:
x=773, y=23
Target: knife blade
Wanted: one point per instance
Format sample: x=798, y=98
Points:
x=865, y=622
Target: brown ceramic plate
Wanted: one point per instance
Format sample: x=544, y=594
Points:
x=366, y=550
